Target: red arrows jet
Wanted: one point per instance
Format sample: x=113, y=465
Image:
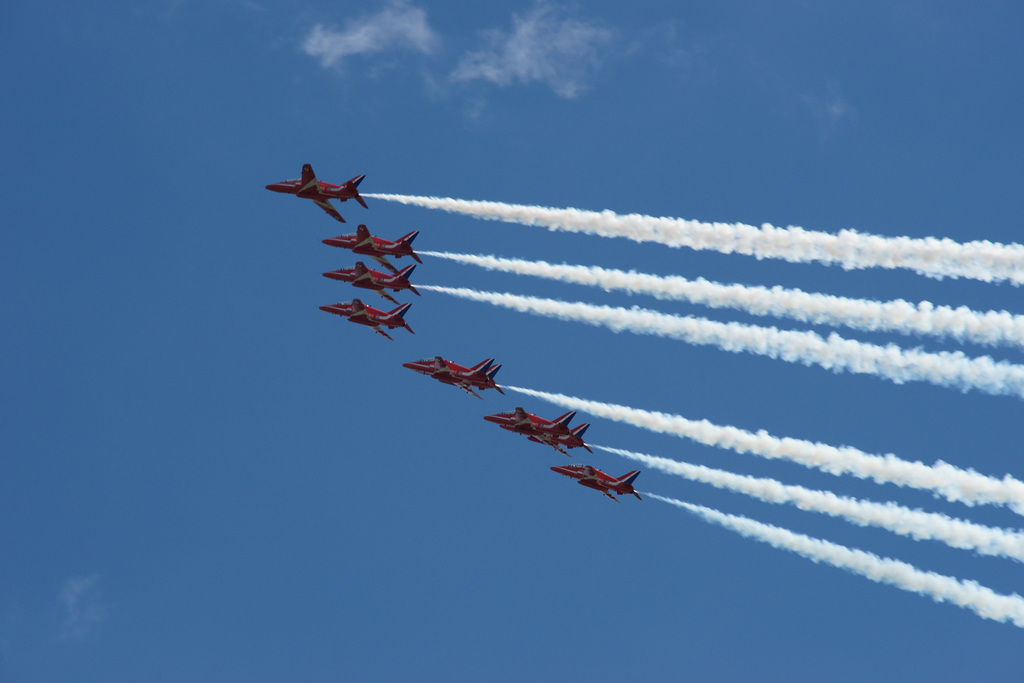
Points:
x=599, y=481
x=362, y=242
x=554, y=433
x=361, y=276
x=480, y=376
x=320, y=192
x=356, y=312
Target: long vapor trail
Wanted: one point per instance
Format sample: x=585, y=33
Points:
x=964, y=486
x=930, y=256
x=916, y=524
x=904, y=317
x=947, y=368
x=971, y=595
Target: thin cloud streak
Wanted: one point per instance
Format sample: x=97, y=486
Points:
x=543, y=46
x=946, y=368
x=954, y=484
x=930, y=256
x=916, y=524
x=83, y=609
x=971, y=595
x=904, y=317
x=397, y=26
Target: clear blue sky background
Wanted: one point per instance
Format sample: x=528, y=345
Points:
x=207, y=479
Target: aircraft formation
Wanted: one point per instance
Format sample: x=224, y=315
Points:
x=555, y=433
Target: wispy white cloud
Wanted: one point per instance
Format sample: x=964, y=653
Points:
x=545, y=46
x=830, y=108
x=399, y=26
x=82, y=606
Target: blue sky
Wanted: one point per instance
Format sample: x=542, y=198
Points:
x=207, y=479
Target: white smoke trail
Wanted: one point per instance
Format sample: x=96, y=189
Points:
x=916, y=524
x=946, y=368
x=962, y=323
x=965, y=486
x=971, y=595
x=932, y=257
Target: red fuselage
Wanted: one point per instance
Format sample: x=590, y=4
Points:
x=594, y=478
x=480, y=376
x=357, y=312
x=554, y=433
x=362, y=242
x=308, y=187
x=361, y=276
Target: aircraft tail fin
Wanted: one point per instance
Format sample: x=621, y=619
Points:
x=355, y=183
x=564, y=419
x=482, y=366
x=406, y=241
x=629, y=478
x=397, y=317
x=492, y=371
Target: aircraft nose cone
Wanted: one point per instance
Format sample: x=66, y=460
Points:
x=326, y=309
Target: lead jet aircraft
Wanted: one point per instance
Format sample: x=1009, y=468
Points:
x=362, y=242
x=554, y=433
x=599, y=481
x=356, y=312
x=308, y=187
x=361, y=276
x=480, y=375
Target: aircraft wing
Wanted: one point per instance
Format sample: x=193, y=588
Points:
x=384, y=262
x=331, y=211
x=376, y=328
x=386, y=296
x=549, y=443
x=469, y=390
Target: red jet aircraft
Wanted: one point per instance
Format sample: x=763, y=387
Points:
x=361, y=276
x=320, y=192
x=480, y=376
x=362, y=242
x=554, y=433
x=356, y=312
x=599, y=481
